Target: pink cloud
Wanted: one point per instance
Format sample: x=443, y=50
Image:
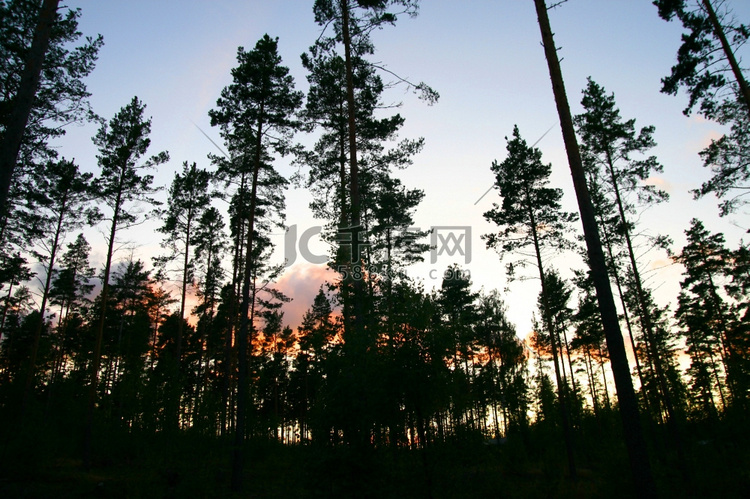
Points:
x=301, y=283
x=708, y=138
x=659, y=182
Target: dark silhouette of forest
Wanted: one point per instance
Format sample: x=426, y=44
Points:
x=113, y=384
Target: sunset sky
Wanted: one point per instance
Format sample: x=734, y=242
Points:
x=483, y=57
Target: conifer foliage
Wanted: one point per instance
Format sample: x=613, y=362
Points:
x=177, y=369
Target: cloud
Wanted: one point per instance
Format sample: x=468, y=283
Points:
x=660, y=182
x=711, y=136
x=662, y=263
x=301, y=283
x=697, y=118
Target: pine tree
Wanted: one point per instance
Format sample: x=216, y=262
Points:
x=382, y=198
x=615, y=152
x=208, y=250
x=506, y=365
x=458, y=315
x=709, y=33
x=351, y=24
x=122, y=143
x=69, y=290
x=42, y=83
x=256, y=112
x=705, y=314
x=589, y=339
x=637, y=452
x=188, y=199
x=739, y=338
x=62, y=206
x=729, y=159
x=528, y=205
x=708, y=67
x=559, y=293
x=310, y=379
x=125, y=348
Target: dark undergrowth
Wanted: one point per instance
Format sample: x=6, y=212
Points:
x=41, y=460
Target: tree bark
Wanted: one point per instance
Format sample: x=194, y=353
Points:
x=96, y=361
x=24, y=99
x=246, y=325
x=354, y=191
x=351, y=116
x=633, y=433
x=719, y=32
x=561, y=385
x=29, y=385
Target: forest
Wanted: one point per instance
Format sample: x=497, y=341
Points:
x=179, y=374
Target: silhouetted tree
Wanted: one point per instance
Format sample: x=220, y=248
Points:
x=351, y=25
x=506, y=364
x=637, y=452
x=70, y=289
x=729, y=159
x=530, y=215
x=619, y=150
x=706, y=316
x=122, y=143
x=708, y=34
x=41, y=78
x=257, y=112
x=63, y=205
x=188, y=199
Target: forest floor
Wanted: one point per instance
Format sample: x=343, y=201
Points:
x=188, y=466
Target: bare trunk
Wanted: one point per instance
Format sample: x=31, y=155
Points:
x=573, y=384
x=645, y=314
x=226, y=412
x=719, y=31
x=354, y=191
x=30, y=374
x=561, y=385
x=635, y=443
x=24, y=99
x=605, y=386
x=247, y=310
x=628, y=324
x=95, y=364
x=592, y=382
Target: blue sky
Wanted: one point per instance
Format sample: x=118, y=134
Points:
x=485, y=59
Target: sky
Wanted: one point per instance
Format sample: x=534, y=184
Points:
x=485, y=59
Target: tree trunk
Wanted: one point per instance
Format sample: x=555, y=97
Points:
x=605, y=386
x=354, y=191
x=246, y=322
x=183, y=294
x=647, y=323
x=628, y=323
x=226, y=413
x=29, y=385
x=573, y=383
x=548, y=322
x=24, y=99
x=633, y=433
x=87, y=436
x=719, y=32
x=176, y=385
x=592, y=382
x=352, y=124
